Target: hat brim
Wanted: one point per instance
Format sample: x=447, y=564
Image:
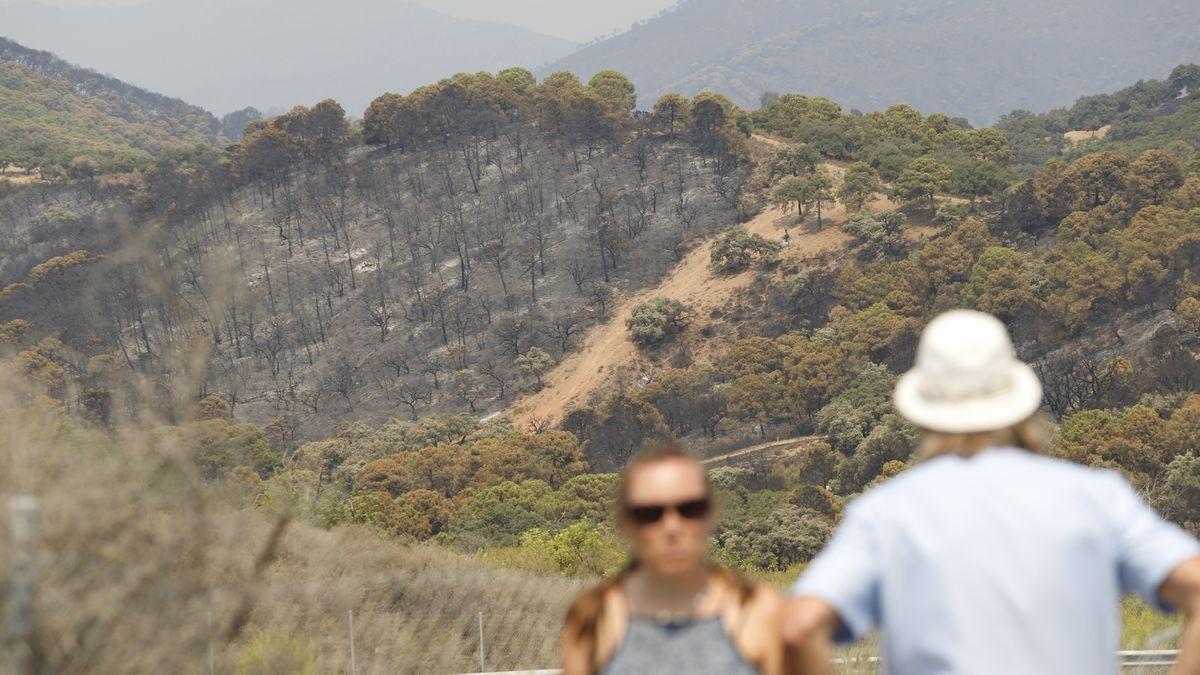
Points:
x=988, y=413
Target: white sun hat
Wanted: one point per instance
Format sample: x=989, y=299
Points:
x=967, y=377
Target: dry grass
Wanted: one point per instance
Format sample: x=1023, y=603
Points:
x=136, y=553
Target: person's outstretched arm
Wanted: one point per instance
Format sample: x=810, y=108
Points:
x=1181, y=590
x=836, y=598
x=808, y=626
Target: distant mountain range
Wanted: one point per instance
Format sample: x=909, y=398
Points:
x=229, y=54
x=972, y=58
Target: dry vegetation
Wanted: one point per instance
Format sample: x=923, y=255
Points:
x=137, y=555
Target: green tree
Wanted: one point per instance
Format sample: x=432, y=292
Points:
x=759, y=398
x=713, y=122
x=1154, y=175
x=615, y=90
x=686, y=398
x=616, y=429
x=467, y=387
x=1100, y=176
x=671, y=111
x=789, y=191
x=1000, y=283
x=1185, y=76
x=796, y=159
x=1083, y=280
x=499, y=514
x=892, y=439
x=975, y=178
x=518, y=80
x=851, y=415
x=535, y=363
x=860, y=183
x=1187, y=317
x=921, y=179
x=820, y=191
x=986, y=145
x=1179, y=497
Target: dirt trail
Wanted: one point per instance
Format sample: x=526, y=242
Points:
x=607, y=350
x=783, y=444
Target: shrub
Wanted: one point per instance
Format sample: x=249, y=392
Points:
x=582, y=548
x=736, y=249
x=880, y=234
x=788, y=535
x=656, y=319
x=271, y=653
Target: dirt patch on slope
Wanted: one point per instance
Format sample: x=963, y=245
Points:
x=1077, y=137
x=607, y=357
x=608, y=354
x=18, y=176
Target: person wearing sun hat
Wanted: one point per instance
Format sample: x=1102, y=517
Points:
x=988, y=556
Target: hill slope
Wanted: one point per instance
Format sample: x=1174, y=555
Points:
x=236, y=54
x=962, y=57
x=52, y=113
x=608, y=354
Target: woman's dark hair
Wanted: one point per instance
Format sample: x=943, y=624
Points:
x=588, y=610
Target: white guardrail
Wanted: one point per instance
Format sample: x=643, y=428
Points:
x=1131, y=659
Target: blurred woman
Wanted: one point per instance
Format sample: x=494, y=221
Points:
x=671, y=610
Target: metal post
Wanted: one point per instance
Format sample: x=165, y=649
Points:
x=211, y=660
x=23, y=516
x=353, y=663
x=481, y=666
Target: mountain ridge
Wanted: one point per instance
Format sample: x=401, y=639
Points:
x=838, y=50
x=234, y=55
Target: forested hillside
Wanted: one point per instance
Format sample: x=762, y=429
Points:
x=345, y=324
x=1150, y=114
x=963, y=57
x=447, y=266
x=56, y=118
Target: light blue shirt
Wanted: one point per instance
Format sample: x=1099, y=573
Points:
x=1007, y=562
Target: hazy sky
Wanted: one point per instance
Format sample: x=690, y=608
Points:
x=576, y=20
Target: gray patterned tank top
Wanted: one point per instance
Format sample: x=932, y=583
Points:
x=700, y=647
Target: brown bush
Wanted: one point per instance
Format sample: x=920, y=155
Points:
x=142, y=565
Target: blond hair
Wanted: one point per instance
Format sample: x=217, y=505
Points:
x=1028, y=434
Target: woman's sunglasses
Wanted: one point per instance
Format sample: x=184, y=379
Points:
x=648, y=515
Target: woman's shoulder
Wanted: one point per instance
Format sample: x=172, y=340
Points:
x=594, y=626
x=757, y=634
x=594, y=601
x=764, y=602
